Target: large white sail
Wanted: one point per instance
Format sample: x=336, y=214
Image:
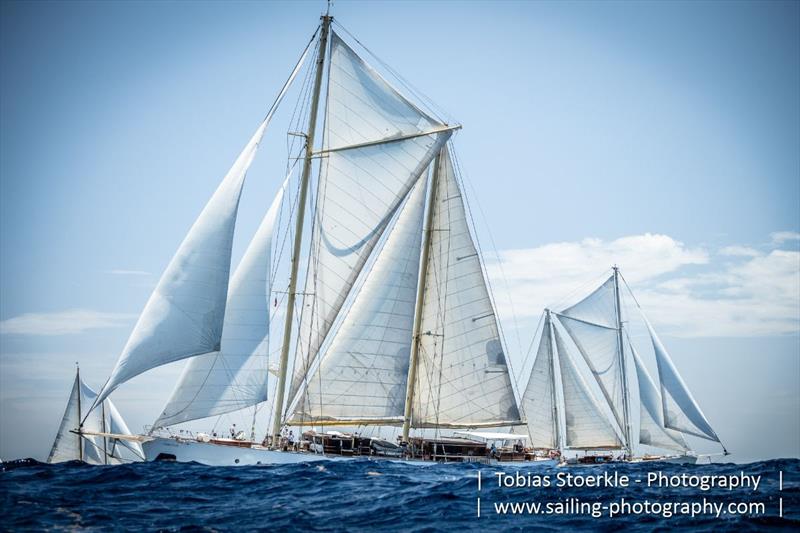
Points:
x=462, y=376
x=585, y=425
x=66, y=446
x=651, y=421
x=184, y=314
x=681, y=411
x=599, y=347
x=599, y=308
x=363, y=372
x=236, y=376
x=538, y=400
x=377, y=145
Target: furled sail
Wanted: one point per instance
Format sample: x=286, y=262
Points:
x=651, y=420
x=681, y=411
x=362, y=374
x=538, y=400
x=462, y=377
x=585, y=424
x=184, y=314
x=67, y=445
x=236, y=376
x=599, y=347
x=377, y=145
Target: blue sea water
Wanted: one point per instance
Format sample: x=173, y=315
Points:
x=366, y=496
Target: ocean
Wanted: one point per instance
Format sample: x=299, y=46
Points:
x=384, y=496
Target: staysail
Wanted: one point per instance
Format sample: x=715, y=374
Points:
x=651, y=420
x=680, y=409
x=377, y=145
x=362, y=374
x=585, y=424
x=236, y=376
x=184, y=314
x=538, y=400
x=462, y=377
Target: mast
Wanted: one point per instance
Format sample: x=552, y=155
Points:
x=625, y=402
x=298, y=234
x=105, y=440
x=556, y=428
x=412, y=367
x=80, y=424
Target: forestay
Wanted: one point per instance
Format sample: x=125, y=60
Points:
x=365, y=174
x=680, y=409
x=462, y=377
x=585, y=424
x=538, y=400
x=184, y=314
x=236, y=376
x=362, y=374
x=651, y=420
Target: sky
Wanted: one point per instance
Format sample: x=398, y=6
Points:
x=659, y=136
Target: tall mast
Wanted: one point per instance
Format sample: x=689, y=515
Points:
x=80, y=426
x=105, y=441
x=626, y=414
x=298, y=234
x=412, y=367
x=556, y=425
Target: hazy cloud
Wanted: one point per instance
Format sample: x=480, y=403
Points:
x=67, y=322
x=780, y=237
x=734, y=291
x=119, y=272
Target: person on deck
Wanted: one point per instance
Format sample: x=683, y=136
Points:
x=233, y=431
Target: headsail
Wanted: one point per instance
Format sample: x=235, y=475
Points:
x=538, y=400
x=236, y=376
x=585, y=424
x=681, y=411
x=362, y=374
x=462, y=377
x=377, y=145
x=184, y=314
x=651, y=422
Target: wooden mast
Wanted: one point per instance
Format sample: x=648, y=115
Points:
x=412, y=367
x=298, y=235
x=626, y=414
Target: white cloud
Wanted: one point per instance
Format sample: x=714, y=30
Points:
x=685, y=291
x=780, y=237
x=67, y=322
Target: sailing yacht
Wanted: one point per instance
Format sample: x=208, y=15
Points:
x=592, y=338
x=105, y=422
x=396, y=325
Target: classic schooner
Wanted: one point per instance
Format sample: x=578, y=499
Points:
x=396, y=324
x=565, y=413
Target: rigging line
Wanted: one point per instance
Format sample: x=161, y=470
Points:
x=304, y=94
x=437, y=110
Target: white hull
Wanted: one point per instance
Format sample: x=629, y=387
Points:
x=191, y=451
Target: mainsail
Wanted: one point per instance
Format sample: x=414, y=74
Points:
x=651, y=421
x=681, y=411
x=377, y=145
x=236, y=376
x=539, y=400
x=585, y=424
x=362, y=374
x=462, y=377
x=184, y=314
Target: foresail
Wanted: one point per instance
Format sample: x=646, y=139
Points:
x=66, y=445
x=118, y=426
x=184, y=314
x=363, y=372
x=651, y=423
x=681, y=411
x=599, y=308
x=236, y=376
x=585, y=424
x=538, y=400
x=462, y=377
x=599, y=347
x=365, y=174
